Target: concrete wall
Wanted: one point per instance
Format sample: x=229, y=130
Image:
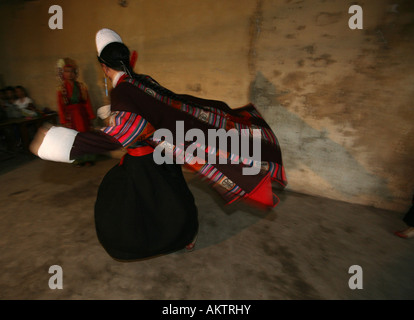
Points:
x=339, y=100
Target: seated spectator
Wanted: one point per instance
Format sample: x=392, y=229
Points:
x=24, y=103
x=3, y=113
x=9, y=136
x=11, y=109
x=2, y=97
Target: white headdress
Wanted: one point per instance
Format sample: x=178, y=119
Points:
x=104, y=37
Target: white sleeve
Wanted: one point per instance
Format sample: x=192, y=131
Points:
x=57, y=144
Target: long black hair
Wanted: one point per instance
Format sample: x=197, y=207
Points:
x=116, y=55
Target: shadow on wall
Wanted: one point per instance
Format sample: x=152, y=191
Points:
x=304, y=146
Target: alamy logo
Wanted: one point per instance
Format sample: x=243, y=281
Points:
x=355, y=282
x=355, y=22
x=56, y=281
x=56, y=21
x=197, y=150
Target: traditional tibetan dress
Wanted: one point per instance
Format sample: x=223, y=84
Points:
x=145, y=209
x=75, y=109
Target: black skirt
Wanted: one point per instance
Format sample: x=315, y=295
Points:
x=144, y=209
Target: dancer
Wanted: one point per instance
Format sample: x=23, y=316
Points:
x=144, y=209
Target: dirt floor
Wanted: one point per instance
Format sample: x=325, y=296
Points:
x=302, y=249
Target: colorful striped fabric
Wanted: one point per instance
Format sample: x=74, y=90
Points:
x=222, y=120
x=128, y=128
x=214, y=117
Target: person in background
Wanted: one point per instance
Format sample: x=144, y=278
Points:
x=3, y=113
x=11, y=109
x=24, y=103
x=74, y=105
x=12, y=134
x=409, y=220
x=4, y=132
